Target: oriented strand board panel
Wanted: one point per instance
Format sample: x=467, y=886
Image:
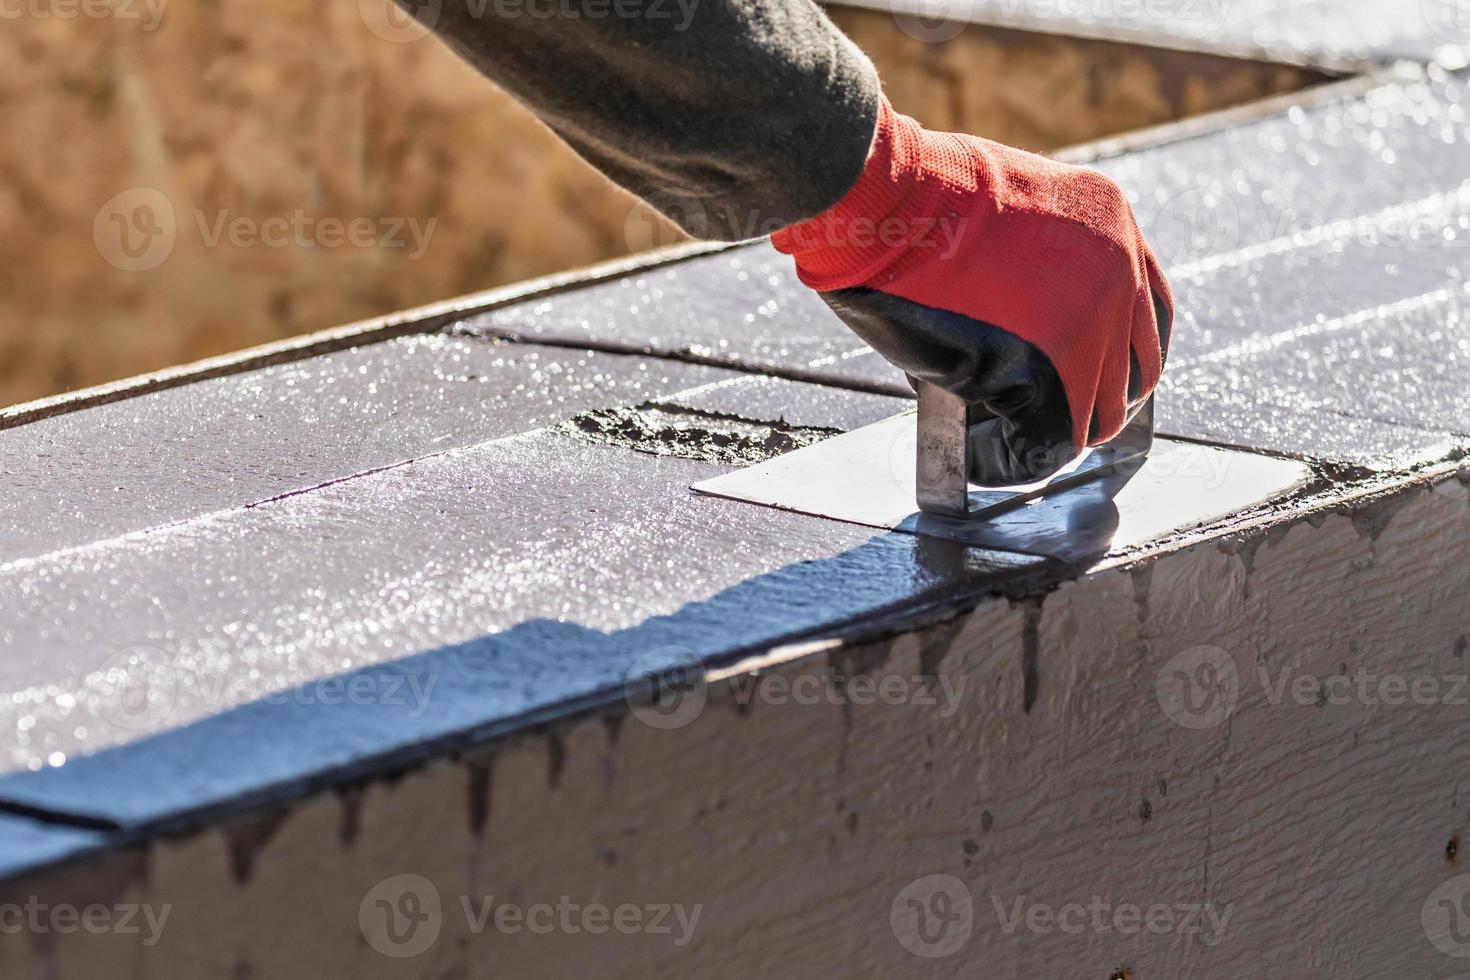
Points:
x=251, y=136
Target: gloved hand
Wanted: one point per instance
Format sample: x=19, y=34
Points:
x=1020, y=284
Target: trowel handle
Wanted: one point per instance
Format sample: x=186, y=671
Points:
x=943, y=458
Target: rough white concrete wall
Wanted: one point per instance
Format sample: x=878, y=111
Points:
x=1164, y=809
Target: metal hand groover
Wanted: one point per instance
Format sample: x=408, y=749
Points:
x=875, y=475
x=947, y=427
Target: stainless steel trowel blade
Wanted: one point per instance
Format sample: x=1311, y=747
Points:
x=871, y=475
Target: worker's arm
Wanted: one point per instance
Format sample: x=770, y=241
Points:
x=733, y=117
x=1020, y=284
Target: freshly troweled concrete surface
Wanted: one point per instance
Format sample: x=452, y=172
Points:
x=1353, y=31
x=484, y=586
x=741, y=307
x=1039, y=755
x=99, y=475
x=357, y=664
x=1299, y=245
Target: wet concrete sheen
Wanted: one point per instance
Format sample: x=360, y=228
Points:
x=1355, y=30
x=502, y=581
x=116, y=469
x=505, y=573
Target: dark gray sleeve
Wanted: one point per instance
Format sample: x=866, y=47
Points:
x=733, y=117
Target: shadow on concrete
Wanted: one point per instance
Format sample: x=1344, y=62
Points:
x=371, y=721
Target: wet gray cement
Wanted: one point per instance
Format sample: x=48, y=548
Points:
x=743, y=307
x=1287, y=286
x=188, y=576
x=1371, y=30
x=465, y=592
x=115, y=469
x=766, y=399
x=740, y=421
x=671, y=430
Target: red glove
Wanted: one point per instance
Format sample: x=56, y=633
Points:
x=1020, y=284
